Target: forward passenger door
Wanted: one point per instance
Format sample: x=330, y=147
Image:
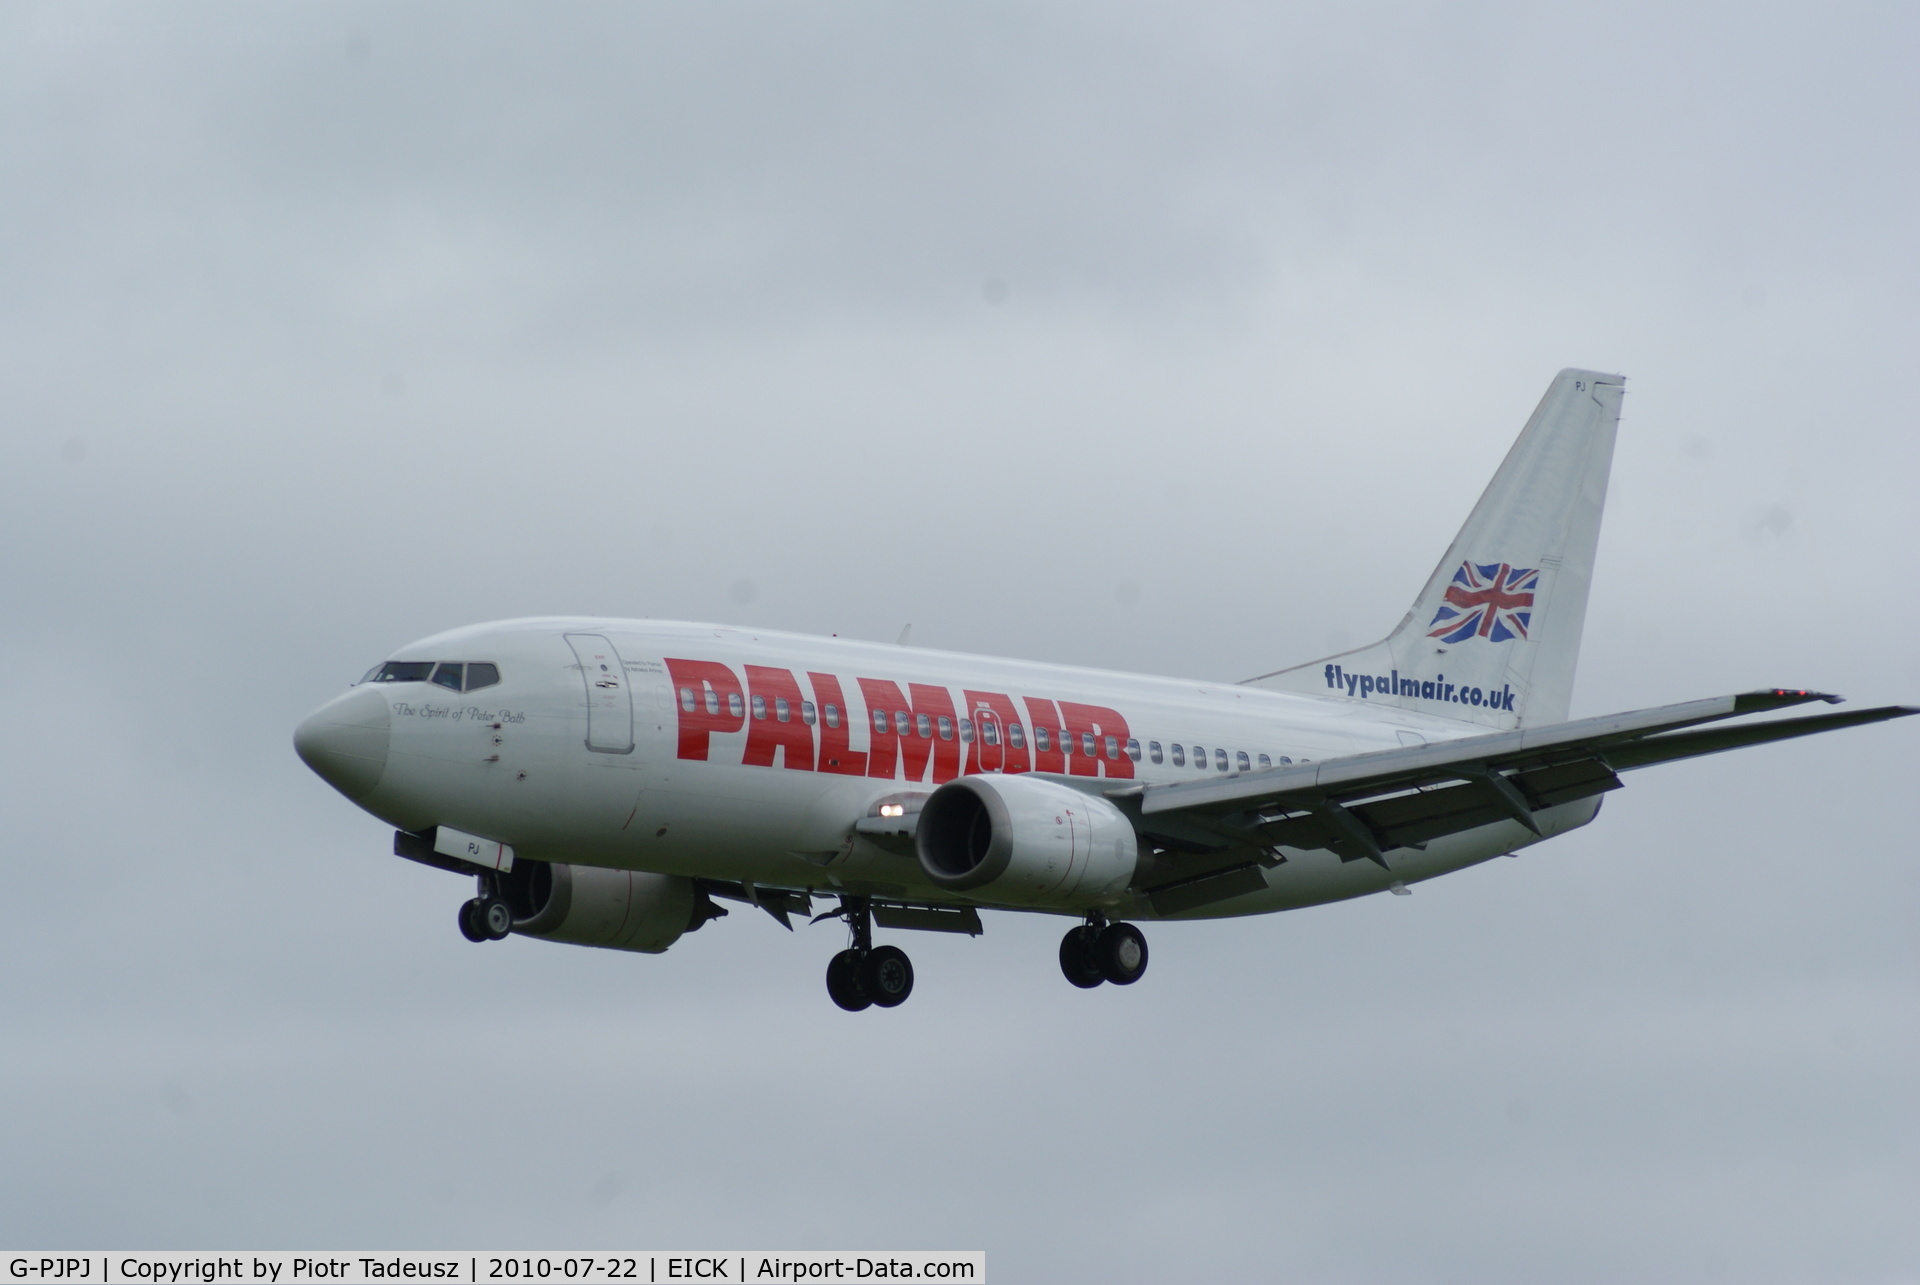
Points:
x=609, y=701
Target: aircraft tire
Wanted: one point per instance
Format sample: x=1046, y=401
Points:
x=1077, y=959
x=843, y=981
x=470, y=921
x=1122, y=954
x=887, y=975
x=495, y=918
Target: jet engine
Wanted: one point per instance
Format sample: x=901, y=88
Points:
x=1020, y=840
x=592, y=906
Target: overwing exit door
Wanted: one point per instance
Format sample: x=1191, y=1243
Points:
x=989, y=755
x=609, y=702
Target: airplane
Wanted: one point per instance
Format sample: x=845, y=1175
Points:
x=605, y=781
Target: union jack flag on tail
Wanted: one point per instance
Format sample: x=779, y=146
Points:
x=1486, y=600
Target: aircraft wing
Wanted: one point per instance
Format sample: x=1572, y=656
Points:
x=1364, y=805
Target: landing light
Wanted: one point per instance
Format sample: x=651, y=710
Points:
x=893, y=809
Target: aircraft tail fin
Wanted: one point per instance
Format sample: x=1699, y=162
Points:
x=1494, y=637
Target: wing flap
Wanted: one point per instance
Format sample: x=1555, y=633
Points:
x=1549, y=787
x=1410, y=820
x=1413, y=818
x=1218, y=885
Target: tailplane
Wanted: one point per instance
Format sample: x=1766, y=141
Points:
x=1494, y=637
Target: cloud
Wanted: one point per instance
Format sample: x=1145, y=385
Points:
x=1176, y=341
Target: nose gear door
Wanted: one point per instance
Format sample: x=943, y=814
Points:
x=609, y=702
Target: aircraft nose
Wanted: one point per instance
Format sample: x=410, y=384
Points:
x=345, y=741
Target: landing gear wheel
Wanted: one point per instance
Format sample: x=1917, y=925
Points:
x=887, y=975
x=470, y=921
x=843, y=981
x=495, y=918
x=1122, y=954
x=1077, y=958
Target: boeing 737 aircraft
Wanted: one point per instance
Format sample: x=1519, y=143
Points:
x=604, y=781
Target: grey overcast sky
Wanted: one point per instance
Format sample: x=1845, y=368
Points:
x=1175, y=338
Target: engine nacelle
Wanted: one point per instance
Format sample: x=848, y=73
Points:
x=1019, y=840
x=593, y=906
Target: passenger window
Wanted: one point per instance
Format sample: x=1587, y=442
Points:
x=733, y=705
x=1016, y=736
x=1153, y=751
x=966, y=730
x=404, y=671
x=833, y=716
x=1285, y=759
x=482, y=673
x=448, y=675
x=1133, y=749
x=759, y=707
x=1240, y=757
x=713, y=701
x=1112, y=746
x=1041, y=741
x=901, y=725
x=1179, y=755
x=990, y=732
x=1200, y=757
x=1265, y=761
x=946, y=728
x=686, y=699
x=1219, y=760
x=1086, y=744
x=806, y=713
x=923, y=725
x=879, y=720
x=782, y=710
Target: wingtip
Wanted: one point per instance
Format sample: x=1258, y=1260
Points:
x=1775, y=697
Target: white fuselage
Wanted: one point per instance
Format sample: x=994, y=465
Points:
x=662, y=746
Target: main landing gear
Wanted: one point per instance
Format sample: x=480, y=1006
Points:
x=487, y=917
x=865, y=974
x=1098, y=951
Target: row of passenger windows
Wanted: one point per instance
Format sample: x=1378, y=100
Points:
x=1240, y=759
x=925, y=726
x=454, y=675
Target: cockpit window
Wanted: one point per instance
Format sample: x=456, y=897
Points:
x=451, y=674
x=403, y=671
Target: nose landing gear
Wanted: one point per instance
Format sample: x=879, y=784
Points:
x=865, y=974
x=1098, y=951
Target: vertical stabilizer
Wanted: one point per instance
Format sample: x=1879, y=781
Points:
x=1494, y=637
